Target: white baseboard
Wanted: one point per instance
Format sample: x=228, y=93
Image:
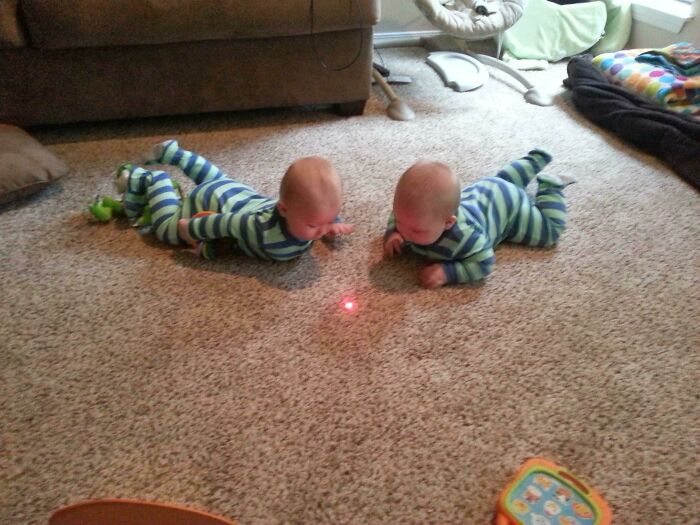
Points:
x=402, y=38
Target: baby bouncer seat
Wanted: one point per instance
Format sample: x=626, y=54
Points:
x=472, y=20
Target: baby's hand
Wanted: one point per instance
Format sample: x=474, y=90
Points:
x=338, y=228
x=184, y=231
x=393, y=243
x=433, y=276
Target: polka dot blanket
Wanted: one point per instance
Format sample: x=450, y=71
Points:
x=659, y=81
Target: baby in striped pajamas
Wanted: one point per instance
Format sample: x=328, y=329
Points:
x=459, y=230
x=222, y=208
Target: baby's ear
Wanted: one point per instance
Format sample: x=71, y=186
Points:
x=282, y=209
x=450, y=222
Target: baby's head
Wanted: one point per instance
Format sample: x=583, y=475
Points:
x=425, y=202
x=310, y=197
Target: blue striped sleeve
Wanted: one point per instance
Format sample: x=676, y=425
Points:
x=390, y=225
x=471, y=269
x=275, y=242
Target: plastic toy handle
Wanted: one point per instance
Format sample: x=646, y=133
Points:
x=202, y=214
x=578, y=484
x=501, y=519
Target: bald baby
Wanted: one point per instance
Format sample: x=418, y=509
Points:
x=425, y=202
x=310, y=199
x=221, y=208
x=458, y=230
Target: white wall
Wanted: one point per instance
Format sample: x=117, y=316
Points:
x=399, y=16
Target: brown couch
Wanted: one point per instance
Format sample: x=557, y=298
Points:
x=80, y=60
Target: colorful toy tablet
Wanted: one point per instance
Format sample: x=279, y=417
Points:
x=544, y=493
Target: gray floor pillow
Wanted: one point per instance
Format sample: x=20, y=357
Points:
x=25, y=165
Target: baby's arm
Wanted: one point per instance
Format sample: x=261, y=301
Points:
x=393, y=240
x=473, y=268
x=251, y=236
x=469, y=270
x=207, y=226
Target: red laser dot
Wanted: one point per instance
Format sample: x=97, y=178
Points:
x=349, y=305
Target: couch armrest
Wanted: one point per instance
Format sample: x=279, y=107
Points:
x=11, y=34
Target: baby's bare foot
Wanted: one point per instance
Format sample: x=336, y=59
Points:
x=561, y=181
x=567, y=180
x=155, y=154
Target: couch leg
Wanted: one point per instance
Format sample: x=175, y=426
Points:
x=350, y=109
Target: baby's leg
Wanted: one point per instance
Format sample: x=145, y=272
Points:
x=166, y=207
x=541, y=223
x=195, y=166
x=521, y=171
x=133, y=182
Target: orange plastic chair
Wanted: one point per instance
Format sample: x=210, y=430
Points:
x=128, y=512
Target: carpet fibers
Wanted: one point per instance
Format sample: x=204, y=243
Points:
x=131, y=369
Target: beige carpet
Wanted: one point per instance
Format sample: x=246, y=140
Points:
x=129, y=369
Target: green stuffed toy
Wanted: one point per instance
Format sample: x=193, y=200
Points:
x=105, y=208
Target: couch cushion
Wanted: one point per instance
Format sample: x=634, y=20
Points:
x=10, y=31
x=25, y=165
x=94, y=23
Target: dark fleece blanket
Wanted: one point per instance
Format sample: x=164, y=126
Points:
x=671, y=137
